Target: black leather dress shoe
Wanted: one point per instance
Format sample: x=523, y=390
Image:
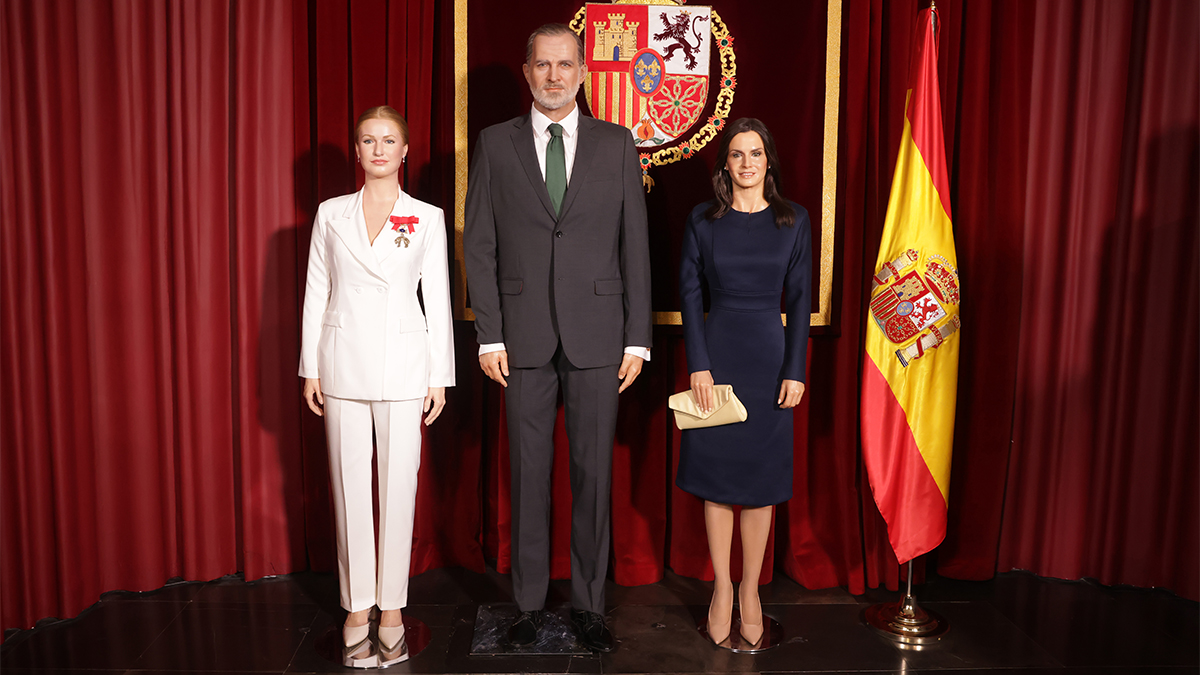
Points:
x=592, y=631
x=523, y=631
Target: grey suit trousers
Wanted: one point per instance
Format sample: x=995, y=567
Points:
x=590, y=399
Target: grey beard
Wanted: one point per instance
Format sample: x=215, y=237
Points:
x=549, y=103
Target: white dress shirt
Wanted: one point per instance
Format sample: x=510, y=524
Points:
x=541, y=138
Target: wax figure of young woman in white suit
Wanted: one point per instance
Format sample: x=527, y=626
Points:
x=372, y=360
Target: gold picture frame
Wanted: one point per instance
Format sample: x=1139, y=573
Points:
x=833, y=56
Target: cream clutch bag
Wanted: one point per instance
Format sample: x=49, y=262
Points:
x=727, y=409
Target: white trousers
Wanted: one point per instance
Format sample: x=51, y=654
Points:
x=397, y=426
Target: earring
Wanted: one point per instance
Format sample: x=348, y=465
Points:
x=404, y=159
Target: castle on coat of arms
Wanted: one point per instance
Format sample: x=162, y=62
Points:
x=617, y=41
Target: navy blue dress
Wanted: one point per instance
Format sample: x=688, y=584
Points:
x=747, y=264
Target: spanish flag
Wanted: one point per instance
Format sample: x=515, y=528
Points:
x=910, y=369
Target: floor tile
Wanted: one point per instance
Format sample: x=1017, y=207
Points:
x=186, y=672
x=458, y=586
x=1082, y=624
x=271, y=591
x=980, y=637
x=247, y=638
x=1161, y=670
x=826, y=637
x=108, y=636
x=60, y=671
x=1161, y=610
x=664, y=639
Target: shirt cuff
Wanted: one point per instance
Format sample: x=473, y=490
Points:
x=491, y=347
x=643, y=352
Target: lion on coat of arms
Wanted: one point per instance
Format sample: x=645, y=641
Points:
x=678, y=30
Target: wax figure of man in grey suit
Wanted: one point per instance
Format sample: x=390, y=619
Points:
x=559, y=275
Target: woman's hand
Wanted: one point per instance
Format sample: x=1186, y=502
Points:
x=434, y=402
x=312, y=390
x=790, y=394
x=702, y=389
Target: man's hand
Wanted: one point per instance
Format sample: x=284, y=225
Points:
x=495, y=366
x=631, y=367
x=790, y=393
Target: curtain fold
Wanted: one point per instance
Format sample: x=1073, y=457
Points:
x=1103, y=468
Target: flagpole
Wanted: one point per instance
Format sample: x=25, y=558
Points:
x=905, y=622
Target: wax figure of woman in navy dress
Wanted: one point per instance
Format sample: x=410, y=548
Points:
x=750, y=247
x=372, y=359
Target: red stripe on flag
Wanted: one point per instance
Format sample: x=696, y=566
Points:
x=925, y=109
x=904, y=490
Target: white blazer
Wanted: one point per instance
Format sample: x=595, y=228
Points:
x=363, y=331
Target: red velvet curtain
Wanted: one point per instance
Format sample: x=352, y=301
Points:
x=160, y=164
x=1102, y=480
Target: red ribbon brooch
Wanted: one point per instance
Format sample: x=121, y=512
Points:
x=405, y=225
x=400, y=221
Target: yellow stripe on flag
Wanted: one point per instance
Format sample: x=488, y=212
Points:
x=910, y=364
x=927, y=388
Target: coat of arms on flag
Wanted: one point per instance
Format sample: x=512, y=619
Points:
x=904, y=303
x=649, y=70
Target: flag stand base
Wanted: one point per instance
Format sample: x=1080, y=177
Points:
x=906, y=622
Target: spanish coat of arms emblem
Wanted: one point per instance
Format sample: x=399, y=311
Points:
x=649, y=64
x=905, y=303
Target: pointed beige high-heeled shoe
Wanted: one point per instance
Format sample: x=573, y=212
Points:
x=756, y=630
x=390, y=637
x=719, y=632
x=353, y=637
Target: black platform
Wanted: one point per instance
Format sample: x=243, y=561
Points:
x=1016, y=623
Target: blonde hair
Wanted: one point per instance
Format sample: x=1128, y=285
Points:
x=382, y=112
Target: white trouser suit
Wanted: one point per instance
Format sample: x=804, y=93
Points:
x=377, y=355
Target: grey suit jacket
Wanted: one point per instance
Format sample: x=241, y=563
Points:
x=588, y=268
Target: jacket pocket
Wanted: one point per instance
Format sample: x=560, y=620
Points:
x=412, y=324
x=511, y=286
x=609, y=287
x=331, y=319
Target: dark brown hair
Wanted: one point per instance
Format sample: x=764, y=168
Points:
x=554, y=30
x=723, y=183
x=382, y=112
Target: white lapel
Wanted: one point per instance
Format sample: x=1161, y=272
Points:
x=351, y=228
x=385, y=248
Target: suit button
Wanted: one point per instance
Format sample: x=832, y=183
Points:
x=558, y=234
x=379, y=288
x=358, y=290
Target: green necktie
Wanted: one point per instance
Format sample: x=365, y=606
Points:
x=556, y=167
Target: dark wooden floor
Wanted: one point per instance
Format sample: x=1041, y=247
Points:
x=1016, y=623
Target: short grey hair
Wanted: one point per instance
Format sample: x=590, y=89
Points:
x=554, y=30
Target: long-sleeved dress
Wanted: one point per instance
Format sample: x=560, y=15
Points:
x=747, y=264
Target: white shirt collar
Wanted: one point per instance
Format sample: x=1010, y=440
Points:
x=570, y=123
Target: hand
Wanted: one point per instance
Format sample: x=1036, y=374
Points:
x=434, y=402
x=495, y=366
x=790, y=394
x=631, y=367
x=312, y=389
x=702, y=389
